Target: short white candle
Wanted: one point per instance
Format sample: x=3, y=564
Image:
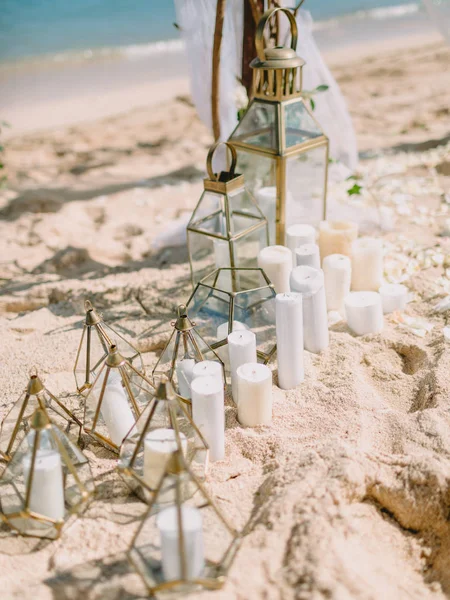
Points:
x=367, y=264
x=208, y=413
x=222, y=330
x=193, y=551
x=309, y=282
x=117, y=413
x=276, y=261
x=394, y=296
x=297, y=235
x=266, y=197
x=47, y=487
x=184, y=368
x=364, y=312
x=337, y=271
x=254, y=405
x=336, y=237
x=241, y=349
x=159, y=445
x=207, y=368
x=308, y=255
x=289, y=325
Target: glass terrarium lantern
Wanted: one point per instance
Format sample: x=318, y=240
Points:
x=282, y=150
x=47, y=479
x=184, y=349
x=164, y=426
x=96, y=340
x=16, y=423
x=185, y=544
x=227, y=228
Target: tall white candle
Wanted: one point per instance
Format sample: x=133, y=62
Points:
x=297, y=235
x=193, y=550
x=364, y=312
x=289, y=325
x=208, y=368
x=276, y=261
x=336, y=237
x=337, y=271
x=184, y=368
x=208, y=412
x=307, y=255
x=394, y=296
x=159, y=445
x=367, y=264
x=116, y=413
x=242, y=349
x=254, y=395
x=47, y=487
x=309, y=283
x=266, y=197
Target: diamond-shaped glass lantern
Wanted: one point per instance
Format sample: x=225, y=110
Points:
x=282, y=150
x=115, y=400
x=184, y=543
x=164, y=427
x=184, y=349
x=217, y=311
x=96, y=339
x=227, y=228
x=47, y=479
x=17, y=421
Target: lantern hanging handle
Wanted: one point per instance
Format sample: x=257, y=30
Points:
x=213, y=176
x=259, y=38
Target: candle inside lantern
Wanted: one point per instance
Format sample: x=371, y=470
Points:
x=208, y=413
x=298, y=235
x=184, y=368
x=276, y=261
x=116, y=412
x=337, y=271
x=191, y=543
x=364, y=312
x=308, y=255
x=289, y=325
x=336, y=237
x=254, y=395
x=207, y=368
x=394, y=296
x=266, y=198
x=242, y=349
x=309, y=282
x=367, y=264
x=47, y=487
x=159, y=445
x=222, y=330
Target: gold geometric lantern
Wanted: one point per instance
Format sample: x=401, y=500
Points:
x=47, y=479
x=282, y=150
x=184, y=542
x=96, y=339
x=184, y=349
x=227, y=228
x=164, y=426
x=115, y=400
x=16, y=423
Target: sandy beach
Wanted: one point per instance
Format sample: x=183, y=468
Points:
x=347, y=494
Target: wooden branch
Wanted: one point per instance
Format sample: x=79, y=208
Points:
x=215, y=83
x=253, y=10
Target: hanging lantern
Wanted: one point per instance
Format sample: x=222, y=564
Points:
x=17, y=422
x=227, y=228
x=282, y=150
x=184, y=542
x=184, y=349
x=115, y=400
x=218, y=311
x=47, y=479
x=96, y=339
x=164, y=426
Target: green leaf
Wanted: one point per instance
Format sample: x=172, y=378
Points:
x=312, y=103
x=322, y=88
x=355, y=190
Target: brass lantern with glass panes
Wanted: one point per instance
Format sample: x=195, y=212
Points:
x=227, y=228
x=282, y=150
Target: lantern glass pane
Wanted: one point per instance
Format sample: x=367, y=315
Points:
x=209, y=216
x=256, y=310
x=244, y=211
x=299, y=124
x=206, y=254
x=246, y=249
x=258, y=126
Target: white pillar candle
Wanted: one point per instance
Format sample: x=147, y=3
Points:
x=208, y=368
x=208, y=413
x=367, y=264
x=307, y=255
x=184, y=368
x=117, y=413
x=276, y=261
x=241, y=349
x=254, y=405
x=337, y=271
x=297, y=235
x=266, y=197
x=47, y=487
x=289, y=325
x=394, y=296
x=364, y=312
x=193, y=550
x=309, y=282
x=159, y=445
x=336, y=237
x=222, y=330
